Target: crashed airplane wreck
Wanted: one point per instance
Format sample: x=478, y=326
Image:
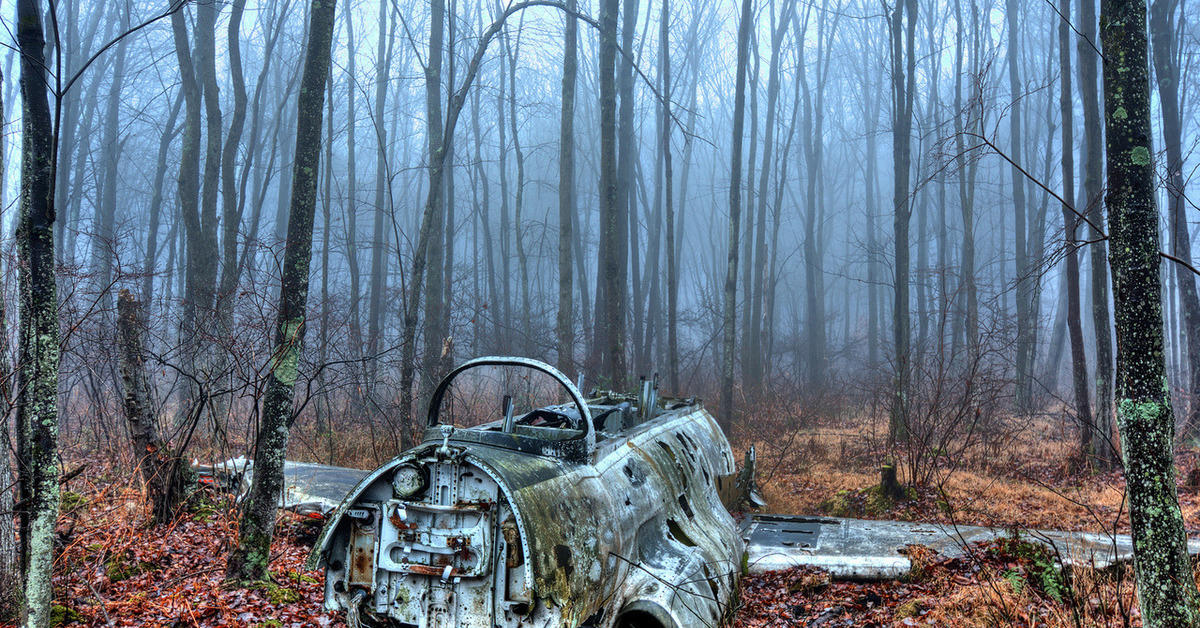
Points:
x=600, y=512
x=609, y=511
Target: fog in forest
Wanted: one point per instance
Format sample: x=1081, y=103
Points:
x=878, y=152
x=945, y=246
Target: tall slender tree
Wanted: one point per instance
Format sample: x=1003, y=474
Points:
x=1093, y=187
x=1079, y=372
x=565, y=324
x=904, y=61
x=248, y=560
x=610, y=324
x=729, y=320
x=1163, y=25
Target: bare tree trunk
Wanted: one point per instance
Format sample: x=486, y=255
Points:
x=104, y=237
x=199, y=219
x=351, y=213
x=729, y=333
x=610, y=326
x=874, y=323
x=629, y=173
x=323, y=414
x=903, y=80
x=511, y=51
x=156, y=201
x=248, y=561
x=672, y=287
x=506, y=231
x=814, y=246
x=755, y=344
x=1166, y=72
x=1024, y=294
x=483, y=207
x=434, y=334
x=1079, y=371
x=565, y=328
x=966, y=179
x=379, y=254
x=231, y=206
x=1093, y=184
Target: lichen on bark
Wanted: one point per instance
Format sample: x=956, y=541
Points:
x=1167, y=593
x=247, y=562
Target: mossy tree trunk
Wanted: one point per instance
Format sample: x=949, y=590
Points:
x=1166, y=591
x=37, y=380
x=248, y=560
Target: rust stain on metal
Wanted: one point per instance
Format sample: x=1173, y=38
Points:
x=427, y=570
x=514, y=557
x=604, y=518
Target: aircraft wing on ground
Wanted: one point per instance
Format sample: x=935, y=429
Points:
x=847, y=548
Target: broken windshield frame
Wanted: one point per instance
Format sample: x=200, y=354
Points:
x=582, y=422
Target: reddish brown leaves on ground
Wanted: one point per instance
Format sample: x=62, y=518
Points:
x=995, y=584
x=114, y=571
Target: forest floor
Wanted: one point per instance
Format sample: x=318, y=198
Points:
x=114, y=570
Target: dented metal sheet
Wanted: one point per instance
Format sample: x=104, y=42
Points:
x=871, y=550
x=310, y=489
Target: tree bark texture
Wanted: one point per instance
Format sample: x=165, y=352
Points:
x=904, y=60
x=729, y=331
x=610, y=329
x=565, y=323
x=1166, y=591
x=138, y=411
x=37, y=380
x=248, y=561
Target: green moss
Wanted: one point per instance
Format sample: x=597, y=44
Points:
x=1120, y=114
x=280, y=595
x=72, y=500
x=911, y=608
x=285, y=363
x=299, y=577
x=124, y=566
x=61, y=615
x=870, y=502
x=1140, y=156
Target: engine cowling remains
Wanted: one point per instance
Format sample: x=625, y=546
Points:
x=609, y=516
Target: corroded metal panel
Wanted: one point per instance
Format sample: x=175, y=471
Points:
x=501, y=525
